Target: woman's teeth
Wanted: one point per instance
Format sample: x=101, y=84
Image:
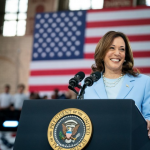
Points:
x=115, y=60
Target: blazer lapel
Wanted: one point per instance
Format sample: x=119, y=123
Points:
x=126, y=87
x=100, y=89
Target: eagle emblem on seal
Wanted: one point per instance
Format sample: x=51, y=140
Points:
x=70, y=129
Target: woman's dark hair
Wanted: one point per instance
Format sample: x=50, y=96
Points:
x=103, y=47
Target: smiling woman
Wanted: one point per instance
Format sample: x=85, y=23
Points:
x=114, y=59
x=111, y=46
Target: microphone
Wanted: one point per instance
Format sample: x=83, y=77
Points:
x=89, y=82
x=77, y=78
x=92, y=78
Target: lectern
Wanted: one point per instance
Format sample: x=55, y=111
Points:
x=116, y=124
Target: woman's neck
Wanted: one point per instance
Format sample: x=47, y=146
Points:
x=112, y=74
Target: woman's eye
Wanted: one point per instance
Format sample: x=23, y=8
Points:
x=122, y=49
x=111, y=47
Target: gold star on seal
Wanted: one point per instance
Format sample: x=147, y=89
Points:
x=127, y=85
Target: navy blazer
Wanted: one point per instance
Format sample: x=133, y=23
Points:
x=136, y=88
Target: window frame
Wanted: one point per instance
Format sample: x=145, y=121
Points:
x=17, y=18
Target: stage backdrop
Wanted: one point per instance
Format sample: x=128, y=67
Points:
x=64, y=43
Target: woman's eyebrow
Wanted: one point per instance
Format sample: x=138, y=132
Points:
x=114, y=45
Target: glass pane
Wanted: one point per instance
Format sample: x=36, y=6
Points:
x=21, y=27
x=79, y=4
x=148, y=2
x=9, y=28
x=11, y=6
x=85, y=4
x=97, y=4
x=74, y=4
x=10, y=16
x=23, y=5
x=24, y=1
x=22, y=16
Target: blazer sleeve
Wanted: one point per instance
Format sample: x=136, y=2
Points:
x=146, y=102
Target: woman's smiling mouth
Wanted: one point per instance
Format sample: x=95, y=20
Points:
x=115, y=60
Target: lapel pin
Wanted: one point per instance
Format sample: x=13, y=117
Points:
x=127, y=85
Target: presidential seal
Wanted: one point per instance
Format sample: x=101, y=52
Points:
x=69, y=129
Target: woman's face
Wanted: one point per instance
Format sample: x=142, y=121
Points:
x=115, y=56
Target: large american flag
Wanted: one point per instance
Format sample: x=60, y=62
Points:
x=64, y=43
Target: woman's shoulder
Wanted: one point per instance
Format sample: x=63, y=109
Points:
x=143, y=76
x=140, y=77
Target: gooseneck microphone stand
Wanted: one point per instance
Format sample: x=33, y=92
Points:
x=87, y=82
x=82, y=92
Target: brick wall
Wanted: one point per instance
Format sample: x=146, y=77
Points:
x=15, y=56
x=15, y=52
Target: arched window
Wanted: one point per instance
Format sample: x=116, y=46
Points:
x=148, y=2
x=15, y=17
x=85, y=4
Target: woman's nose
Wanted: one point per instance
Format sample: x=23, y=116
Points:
x=117, y=52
